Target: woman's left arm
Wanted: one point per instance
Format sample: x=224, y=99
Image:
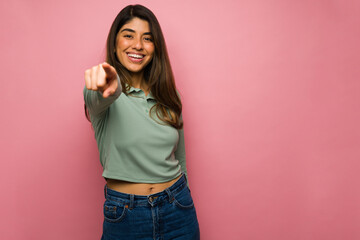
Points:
x=180, y=152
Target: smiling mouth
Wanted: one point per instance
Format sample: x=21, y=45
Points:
x=135, y=56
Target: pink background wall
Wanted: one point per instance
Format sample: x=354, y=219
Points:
x=271, y=108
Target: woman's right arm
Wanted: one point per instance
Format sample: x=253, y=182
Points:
x=102, y=88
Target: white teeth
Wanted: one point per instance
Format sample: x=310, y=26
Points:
x=135, y=55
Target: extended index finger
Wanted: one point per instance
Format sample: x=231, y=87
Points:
x=109, y=70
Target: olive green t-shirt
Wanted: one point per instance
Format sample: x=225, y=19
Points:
x=132, y=145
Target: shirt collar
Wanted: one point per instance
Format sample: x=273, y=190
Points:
x=139, y=91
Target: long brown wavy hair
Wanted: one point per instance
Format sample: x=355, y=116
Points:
x=157, y=74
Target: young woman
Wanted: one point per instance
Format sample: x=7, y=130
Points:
x=135, y=110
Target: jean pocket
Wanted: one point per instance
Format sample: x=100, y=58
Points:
x=183, y=199
x=114, y=212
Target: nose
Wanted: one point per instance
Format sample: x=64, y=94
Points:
x=137, y=44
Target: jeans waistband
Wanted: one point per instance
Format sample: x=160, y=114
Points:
x=144, y=200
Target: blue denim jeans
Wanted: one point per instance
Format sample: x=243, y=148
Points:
x=166, y=215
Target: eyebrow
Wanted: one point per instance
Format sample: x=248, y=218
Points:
x=131, y=30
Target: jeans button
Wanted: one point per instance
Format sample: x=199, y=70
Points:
x=151, y=199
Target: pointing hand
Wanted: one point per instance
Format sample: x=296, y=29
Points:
x=103, y=78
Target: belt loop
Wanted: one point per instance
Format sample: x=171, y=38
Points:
x=185, y=177
x=131, y=201
x=171, y=197
x=105, y=191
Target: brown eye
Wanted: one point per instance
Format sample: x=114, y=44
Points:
x=148, y=39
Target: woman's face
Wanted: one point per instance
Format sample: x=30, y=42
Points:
x=134, y=45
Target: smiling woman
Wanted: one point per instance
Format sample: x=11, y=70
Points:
x=135, y=48
x=133, y=105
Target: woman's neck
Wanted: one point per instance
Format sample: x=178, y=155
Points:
x=137, y=81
